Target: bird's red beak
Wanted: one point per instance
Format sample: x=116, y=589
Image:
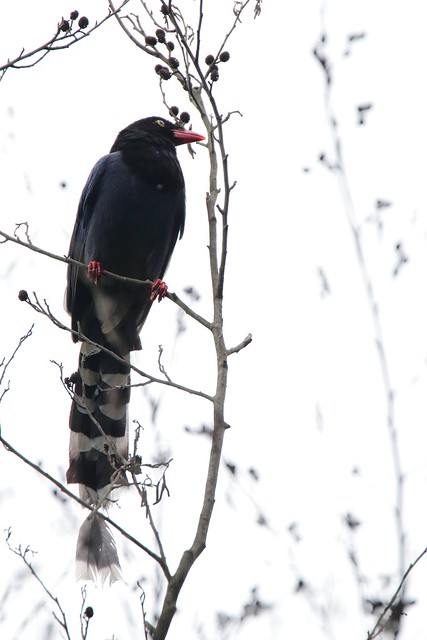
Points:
x=185, y=137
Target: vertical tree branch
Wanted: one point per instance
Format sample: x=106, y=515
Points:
x=338, y=167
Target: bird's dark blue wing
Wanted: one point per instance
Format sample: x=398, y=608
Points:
x=130, y=226
x=76, y=298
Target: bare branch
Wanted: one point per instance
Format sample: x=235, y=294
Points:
x=240, y=346
x=84, y=504
x=60, y=40
x=23, y=554
x=5, y=366
x=337, y=166
x=381, y=623
x=86, y=614
x=45, y=311
x=26, y=231
x=171, y=296
x=148, y=628
x=66, y=383
x=161, y=366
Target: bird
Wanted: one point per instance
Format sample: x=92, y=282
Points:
x=130, y=215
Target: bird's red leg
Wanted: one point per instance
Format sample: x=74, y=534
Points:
x=94, y=271
x=158, y=290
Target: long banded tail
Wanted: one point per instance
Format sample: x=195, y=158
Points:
x=98, y=451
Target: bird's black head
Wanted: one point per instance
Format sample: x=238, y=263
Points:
x=157, y=129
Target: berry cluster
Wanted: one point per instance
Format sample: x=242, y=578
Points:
x=224, y=56
x=163, y=72
x=67, y=25
x=160, y=38
x=184, y=116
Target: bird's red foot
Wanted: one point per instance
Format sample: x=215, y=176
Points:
x=158, y=290
x=94, y=271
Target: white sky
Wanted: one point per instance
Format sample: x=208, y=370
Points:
x=311, y=355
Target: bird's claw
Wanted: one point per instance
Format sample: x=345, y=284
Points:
x=158, y=290
x=94, y=271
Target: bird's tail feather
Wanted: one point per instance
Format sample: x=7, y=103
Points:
x=96, y=552
x=98, y=451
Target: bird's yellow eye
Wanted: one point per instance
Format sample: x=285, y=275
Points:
x=160, y=123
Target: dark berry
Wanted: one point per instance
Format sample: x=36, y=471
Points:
x=173, y=111
x=225, y=56
x=174, y=63
x=160, y=35
x=214, y=75
x=64, y=25
x=72, y=380
x=74, y=15
x=74, y=377
x=164, y=73
x=209, y=59
x=23, y=295
x=184, y=117
x=83, y=22
x=170, y=46
x=150, y=41
x=89, y=612
x=164, y=9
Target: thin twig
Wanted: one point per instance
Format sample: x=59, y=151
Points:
x=5, y=366
x=240, y=346
x=143, y=493
x=146, y=624
x=59, y=41
x=134, y=281
x=62, y=621
x=338, y=168
x=380, y=625
x=379, y=341
x=38, y=307
x=84, y=504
